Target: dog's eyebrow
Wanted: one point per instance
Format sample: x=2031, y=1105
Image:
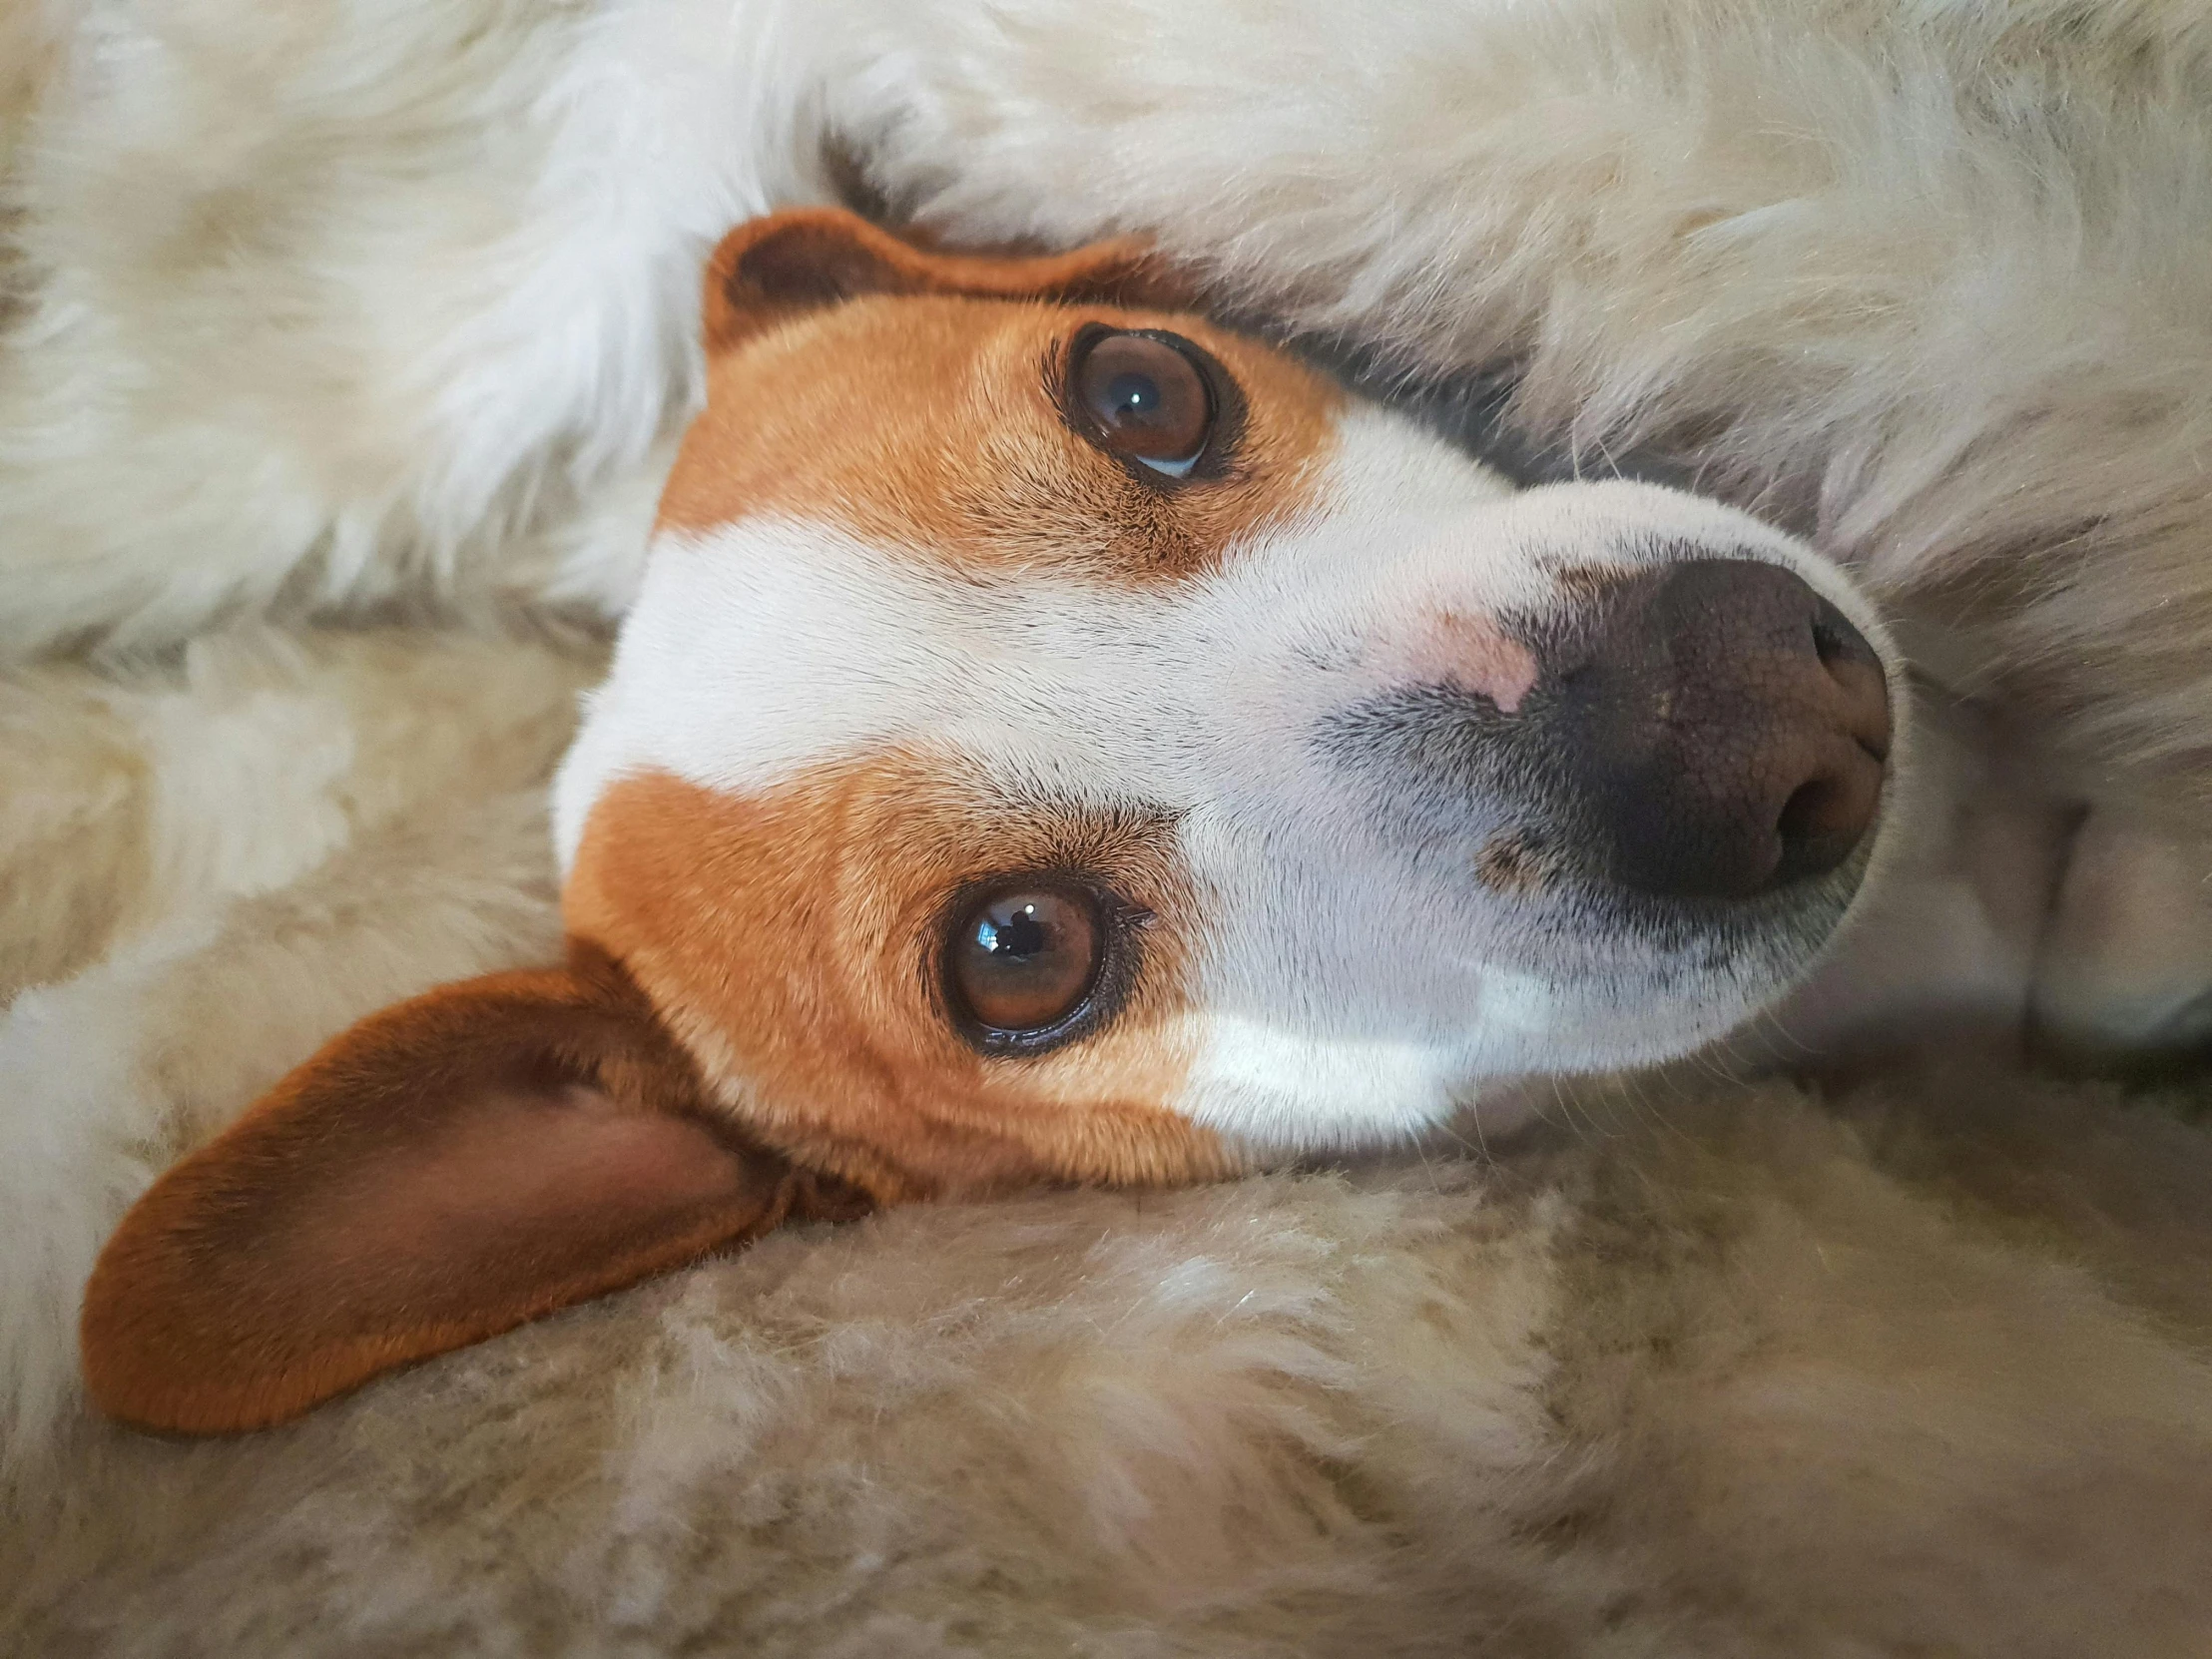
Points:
x=968, y=473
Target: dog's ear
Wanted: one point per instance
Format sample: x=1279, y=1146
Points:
x=775, y=267
x=445, y=1170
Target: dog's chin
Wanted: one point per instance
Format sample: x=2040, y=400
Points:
x=1654, y=982
x=1378, y=1069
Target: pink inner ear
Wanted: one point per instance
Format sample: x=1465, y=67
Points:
x=818, y=263
x=520, y=1180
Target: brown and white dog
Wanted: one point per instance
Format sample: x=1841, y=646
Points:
x=1058, y=739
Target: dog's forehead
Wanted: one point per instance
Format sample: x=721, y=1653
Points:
x=811, y=625
x=929, y=427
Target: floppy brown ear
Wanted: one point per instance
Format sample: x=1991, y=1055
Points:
x=445, y=1170
x=788, y=263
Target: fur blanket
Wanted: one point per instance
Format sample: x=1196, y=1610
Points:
x=324, y=320
x=1769, y=1377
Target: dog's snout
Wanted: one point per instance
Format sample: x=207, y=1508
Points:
x=1721, y=729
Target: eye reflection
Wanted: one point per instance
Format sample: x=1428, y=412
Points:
x=1141, y=397
x=1023, y=959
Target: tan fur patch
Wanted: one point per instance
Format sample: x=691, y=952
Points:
x=1516, y=864
x=790, y=940
x=927, y=425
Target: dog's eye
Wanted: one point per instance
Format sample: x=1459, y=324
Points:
x=1022, y=958
x=1140, y=395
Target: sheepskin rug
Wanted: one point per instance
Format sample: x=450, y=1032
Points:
x=1915, y=1364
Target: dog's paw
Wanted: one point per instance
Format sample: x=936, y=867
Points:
x=2125, y=970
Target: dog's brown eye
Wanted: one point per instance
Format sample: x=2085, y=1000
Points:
x=1139, y=396
x=1022, y=958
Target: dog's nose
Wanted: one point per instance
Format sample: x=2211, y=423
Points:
x=1721, y=730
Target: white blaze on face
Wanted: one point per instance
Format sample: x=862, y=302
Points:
x=1340, y=990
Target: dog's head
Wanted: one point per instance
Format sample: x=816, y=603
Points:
x=1058, y=738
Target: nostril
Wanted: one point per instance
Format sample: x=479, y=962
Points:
x=1824, y=806
x=1809, y=807
x=1855, y=672
x=1720, y=728
x=1835, y=640
x=1824, y=817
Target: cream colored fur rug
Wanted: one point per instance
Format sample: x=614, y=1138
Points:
x=1695, y=1367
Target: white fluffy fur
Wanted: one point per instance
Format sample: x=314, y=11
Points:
x=408, y=316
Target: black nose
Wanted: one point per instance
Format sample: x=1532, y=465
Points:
x=1720, y=729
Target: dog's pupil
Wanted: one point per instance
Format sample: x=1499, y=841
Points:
x=1023, y=959
x=1016, y=937
x=1142, y=397
x=1134, y=400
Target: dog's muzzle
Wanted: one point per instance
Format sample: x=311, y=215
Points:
x=1699, y=733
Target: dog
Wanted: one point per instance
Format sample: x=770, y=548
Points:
x=1058, y=739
